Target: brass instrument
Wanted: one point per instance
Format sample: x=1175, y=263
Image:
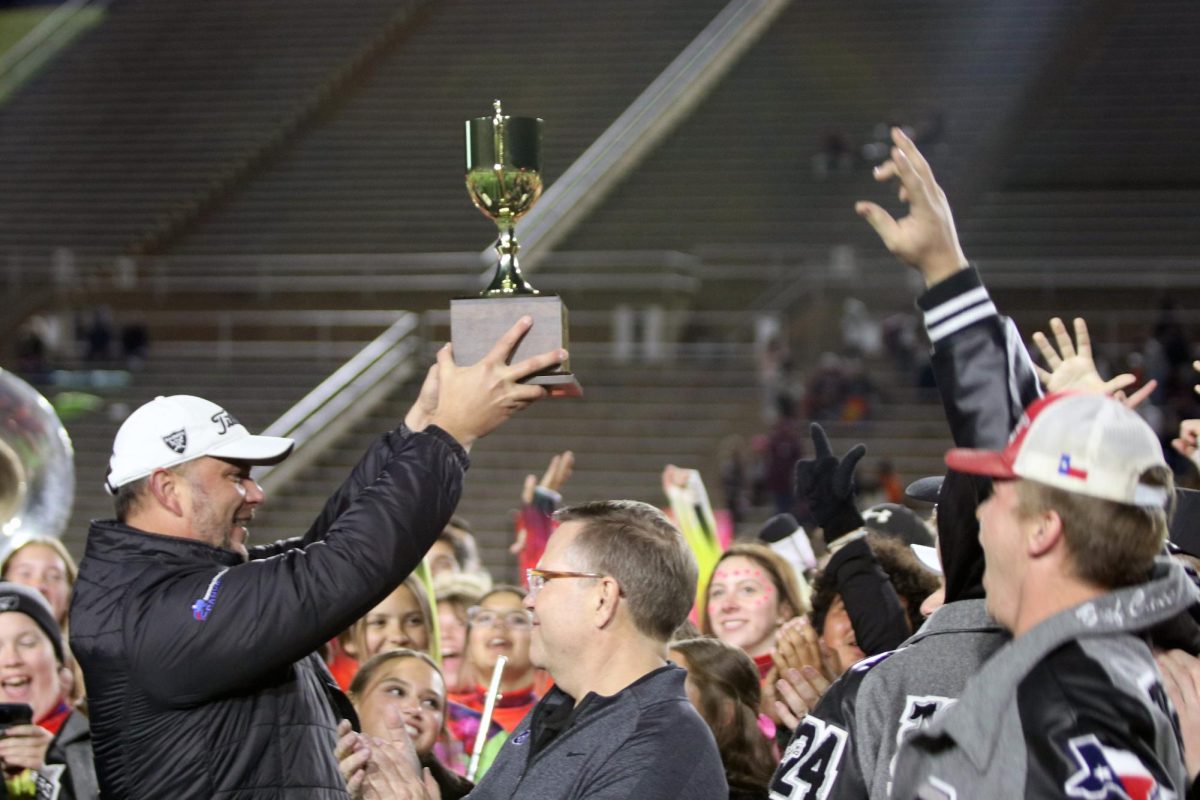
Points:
x=37, y=465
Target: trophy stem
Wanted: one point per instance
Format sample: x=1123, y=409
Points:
x=507, y=280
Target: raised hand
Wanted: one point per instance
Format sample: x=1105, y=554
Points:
x=926, y=238
x=473, y=401
x=1073, y=368
x=828, y=485
x=423, y=409
x=557, y=473
x=675, y=477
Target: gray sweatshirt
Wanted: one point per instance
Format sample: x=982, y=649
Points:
x=882, y=699
x=1073, y=708
x=645, y=742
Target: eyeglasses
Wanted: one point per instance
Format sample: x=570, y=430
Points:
x=513, y=620
x=535, y=579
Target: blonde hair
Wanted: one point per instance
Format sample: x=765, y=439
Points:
x=1111, y=544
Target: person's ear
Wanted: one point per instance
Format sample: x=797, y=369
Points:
x=1046, y=536
x=66, y=680
x=786, y=612
x=166, y=486
x=607, y=600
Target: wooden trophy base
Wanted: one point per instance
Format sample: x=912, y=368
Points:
x=477, y=322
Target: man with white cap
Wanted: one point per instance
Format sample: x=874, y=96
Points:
x=198, y=651
x=1073, y=706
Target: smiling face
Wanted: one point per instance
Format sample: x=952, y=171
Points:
x=220, y=502
x=40, y=567
x=500, y=627
x=1002, y=534
x=744, y=607
x=452, y=624
x=28, y=670
x=396, y=622
x=413, y=688
x=838, y=634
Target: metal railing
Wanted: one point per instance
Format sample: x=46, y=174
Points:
x=49, y=36
x=345, y=397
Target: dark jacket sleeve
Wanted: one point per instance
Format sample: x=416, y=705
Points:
x=985, y=380
x=879, y=620
x=263, y=615
x=365, y=471
x=1084, y=738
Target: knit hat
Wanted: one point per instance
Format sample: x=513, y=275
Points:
x=1087, y=444
x=15, y=597
x=168, y=431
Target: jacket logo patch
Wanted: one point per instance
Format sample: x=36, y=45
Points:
x=521, y=738
x=177, y=441
x=1109, y=773
x=811, y=762
x=204, y=606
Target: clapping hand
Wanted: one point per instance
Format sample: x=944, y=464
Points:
x=805, y=667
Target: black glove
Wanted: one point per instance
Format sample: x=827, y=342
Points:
x=828, y=485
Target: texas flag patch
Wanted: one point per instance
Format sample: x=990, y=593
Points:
x=1065, y=468
x=1109, y=773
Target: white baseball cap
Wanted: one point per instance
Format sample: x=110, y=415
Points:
x=1083, y=443
x=168, y=431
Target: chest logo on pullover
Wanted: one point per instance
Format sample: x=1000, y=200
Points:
x=204, y=606
x=1109, y=773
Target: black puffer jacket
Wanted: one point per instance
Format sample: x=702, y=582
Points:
x=201, y=673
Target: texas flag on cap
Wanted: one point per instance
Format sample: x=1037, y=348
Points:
x=1084, y=443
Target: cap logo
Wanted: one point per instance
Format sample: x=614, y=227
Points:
x=225, y=420
x=8, y=602
x=177, y=441
x=881, y=515
x=1065, y=468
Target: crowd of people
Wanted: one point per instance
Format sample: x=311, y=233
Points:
x=1033, y=634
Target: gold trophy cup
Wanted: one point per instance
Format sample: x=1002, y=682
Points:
x=504, y=162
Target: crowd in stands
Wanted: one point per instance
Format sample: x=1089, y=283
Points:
x=1029, y=632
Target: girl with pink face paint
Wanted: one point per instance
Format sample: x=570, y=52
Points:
x=751, y=593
